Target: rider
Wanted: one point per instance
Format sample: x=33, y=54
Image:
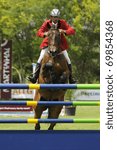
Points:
x=65, y=29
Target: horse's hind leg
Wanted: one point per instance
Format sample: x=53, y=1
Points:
x=54, y=112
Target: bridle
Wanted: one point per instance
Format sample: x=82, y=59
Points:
x=54, y=39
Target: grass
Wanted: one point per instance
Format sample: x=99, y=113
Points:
x=81, y=112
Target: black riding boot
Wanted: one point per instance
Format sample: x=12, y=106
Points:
x=71, y=79
x=35, y=76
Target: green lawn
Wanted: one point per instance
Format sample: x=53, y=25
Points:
x=81, y=112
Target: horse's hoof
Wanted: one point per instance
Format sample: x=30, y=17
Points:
x=37, y=127
x=72, y=81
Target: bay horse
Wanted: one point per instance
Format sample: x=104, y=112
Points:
x=54, y=70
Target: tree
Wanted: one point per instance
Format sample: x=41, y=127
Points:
x=21, y=21
x=86, y=43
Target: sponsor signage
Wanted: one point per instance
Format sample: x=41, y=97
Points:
x=22, y=94
x=6, y=67
x=86, y=95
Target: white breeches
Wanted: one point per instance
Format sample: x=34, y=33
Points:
x=46, y=49
x=66, y=56
x=42, y=55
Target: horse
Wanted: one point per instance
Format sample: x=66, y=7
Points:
x=54, y=70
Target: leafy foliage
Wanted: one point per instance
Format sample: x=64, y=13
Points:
x=20, y=20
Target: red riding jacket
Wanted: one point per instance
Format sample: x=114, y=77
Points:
x=61, y=25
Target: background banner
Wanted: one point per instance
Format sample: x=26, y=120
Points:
x=6, y=47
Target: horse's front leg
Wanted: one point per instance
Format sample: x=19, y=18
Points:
x=53, y=113
x=37, y=116
x=38, y=109
x=38, y=112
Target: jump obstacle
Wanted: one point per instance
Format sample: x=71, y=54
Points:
x=49, y=121
x=49, y=86
x=35, y=103
x=50, y=103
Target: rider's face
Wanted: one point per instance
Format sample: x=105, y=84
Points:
x=54, y=19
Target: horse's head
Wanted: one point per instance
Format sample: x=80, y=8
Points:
x=54, y=39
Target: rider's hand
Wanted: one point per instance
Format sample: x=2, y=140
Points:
x=62, y=31
x=45, y=33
